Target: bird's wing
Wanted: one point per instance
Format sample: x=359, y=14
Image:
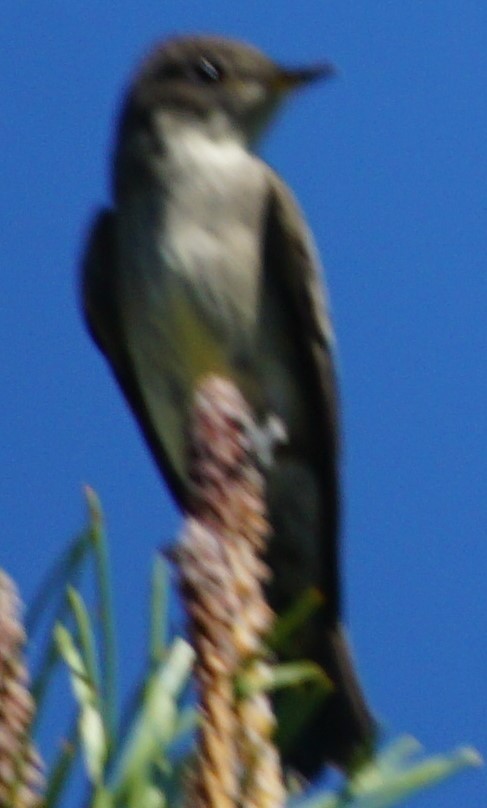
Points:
x=291, y=256
x=341, y=730
x=101, y=307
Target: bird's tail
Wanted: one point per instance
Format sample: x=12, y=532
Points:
x=340, y=731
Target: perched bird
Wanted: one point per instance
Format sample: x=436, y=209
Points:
x=204, y=264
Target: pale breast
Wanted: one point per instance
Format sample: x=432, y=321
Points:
x=213, y=224
x=190, y=259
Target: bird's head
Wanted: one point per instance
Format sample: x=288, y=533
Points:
x=220, y=81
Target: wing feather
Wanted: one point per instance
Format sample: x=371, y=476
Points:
x=291, y=256
x=101, y=308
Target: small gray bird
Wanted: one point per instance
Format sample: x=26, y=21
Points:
x=205, y=264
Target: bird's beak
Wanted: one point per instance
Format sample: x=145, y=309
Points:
x=294, y=78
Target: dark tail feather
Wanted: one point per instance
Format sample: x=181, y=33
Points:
x=341, y=731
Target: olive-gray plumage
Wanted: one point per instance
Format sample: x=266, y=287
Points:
x=204, y=265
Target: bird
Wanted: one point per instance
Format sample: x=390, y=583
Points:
x=204, y=264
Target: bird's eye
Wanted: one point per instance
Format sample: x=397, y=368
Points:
x=208, y=70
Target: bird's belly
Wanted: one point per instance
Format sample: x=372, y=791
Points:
x=180, y=329
x=194, y=304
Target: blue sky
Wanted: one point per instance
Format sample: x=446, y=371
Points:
x=389, y=164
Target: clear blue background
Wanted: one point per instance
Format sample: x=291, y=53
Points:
x=389, y=163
